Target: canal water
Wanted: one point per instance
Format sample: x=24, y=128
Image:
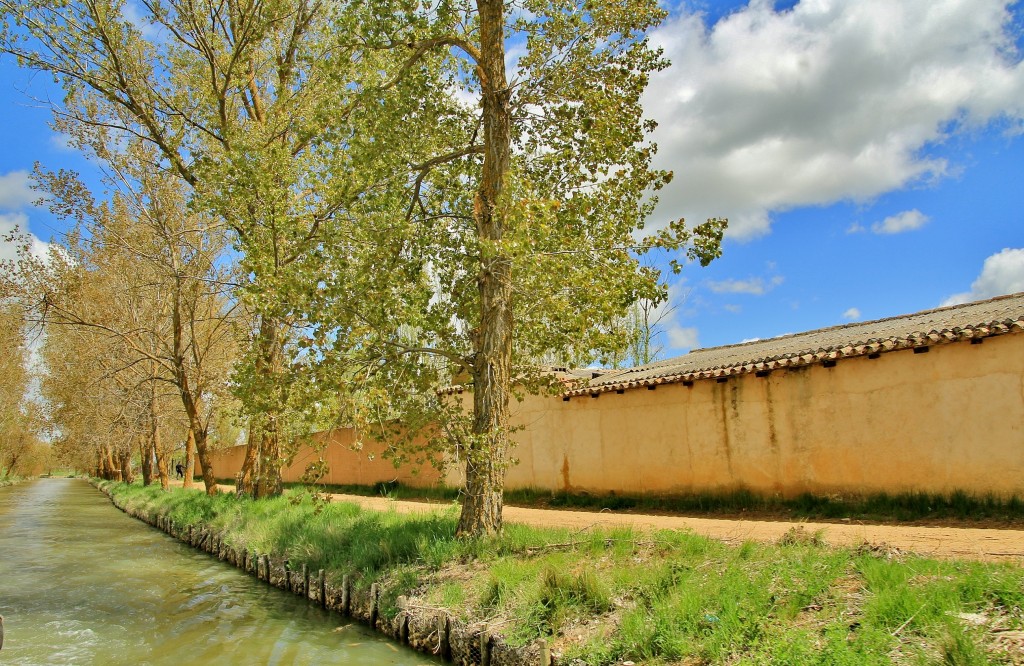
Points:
x=82, y=583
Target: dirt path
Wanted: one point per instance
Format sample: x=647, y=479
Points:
x=1004, y=545
x=944, y=542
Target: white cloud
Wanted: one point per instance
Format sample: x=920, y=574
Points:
x=756, y=286
x=8, y=221
x=63, y=142
x=15, y=191
x=908, y=220
x=1002, y=273
x=682, y=337
x=853, y=314
x=829, y=101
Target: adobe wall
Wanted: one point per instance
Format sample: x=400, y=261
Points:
x=949, y=419
x=346, y=466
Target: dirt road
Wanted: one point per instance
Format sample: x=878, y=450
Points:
x=944, y=542
x=992, y=545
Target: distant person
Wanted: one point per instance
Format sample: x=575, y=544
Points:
x=180, y=471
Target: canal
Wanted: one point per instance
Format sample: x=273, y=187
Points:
x=82, y=583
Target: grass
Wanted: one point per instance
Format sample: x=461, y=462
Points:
x=879, y=507
x=656, y=598
x=11, y=479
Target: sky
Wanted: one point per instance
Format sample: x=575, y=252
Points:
x=868, y=154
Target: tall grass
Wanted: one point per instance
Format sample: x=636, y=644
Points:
x=607, y=596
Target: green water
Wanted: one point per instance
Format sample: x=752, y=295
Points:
x=82, y=583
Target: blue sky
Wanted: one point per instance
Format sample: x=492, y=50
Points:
x=868, y=154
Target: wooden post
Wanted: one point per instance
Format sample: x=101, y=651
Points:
x=444, y=636
x=403, y=628
x=346, y=595
x=485, y=647
x=323, y=588
x=545, y=652
x=374, y=596
x=305, y=580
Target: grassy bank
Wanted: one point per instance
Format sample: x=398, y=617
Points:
x=10, y=480
x=668, y=597
x=876, y=508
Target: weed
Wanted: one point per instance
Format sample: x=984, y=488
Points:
x=960, y=649
x=799, y=536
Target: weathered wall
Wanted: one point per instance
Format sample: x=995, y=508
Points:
x=347, y=466
x=949, y=419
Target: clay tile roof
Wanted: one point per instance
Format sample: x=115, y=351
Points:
x=996, y=316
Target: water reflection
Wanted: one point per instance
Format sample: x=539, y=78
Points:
x=82, y=583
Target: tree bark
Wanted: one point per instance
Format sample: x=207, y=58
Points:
x=269, y=478
x=161, y=457
x=487, y=451
x=146, y=454
x=191, y=396
x=260, y=474
x=190, y=459
x=245, y=480
x=110, y=470
x=124, y=458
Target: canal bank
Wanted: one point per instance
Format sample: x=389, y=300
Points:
x=611, y=596
x=81, y=583
x=429, y=630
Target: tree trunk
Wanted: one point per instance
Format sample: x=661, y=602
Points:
x=190, y=459
x=260, y=474
x=161, y=456
x=205, y=462
x=487, y=454
x=161, y=469
x=146, y=454
x=245, y=480
x=125, y=459
x=110, y=470
x=268, y=481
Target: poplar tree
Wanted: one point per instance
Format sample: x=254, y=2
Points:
x=519, y=237
x=251, y=103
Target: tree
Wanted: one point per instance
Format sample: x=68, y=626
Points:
x=249, y=103
x=21, y=449
x=519, y=233
x=141, y=274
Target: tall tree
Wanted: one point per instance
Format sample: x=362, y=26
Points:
x=143, y=273
x=20, y=419
x=249, y=103
x=520, y=234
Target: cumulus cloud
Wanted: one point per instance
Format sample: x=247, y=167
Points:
x=682, y=337
x=15, y=193
x=15, y=190
x=896, y=224
x=1002, y=273
x=828, y=101
x=8, y=221
x=853, y=314
x=756, y=286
